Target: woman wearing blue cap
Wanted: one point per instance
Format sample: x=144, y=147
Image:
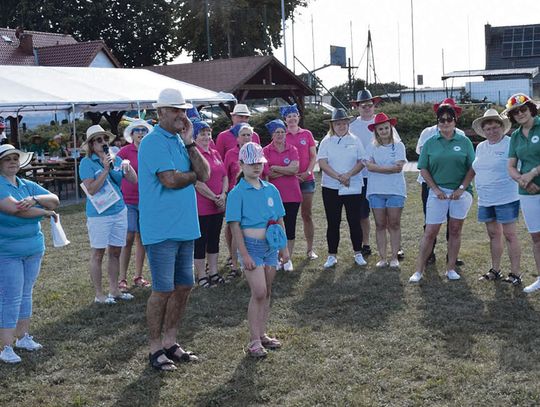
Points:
x=211, y=196
x=255, y=214
x=304, y=142
x=282, y=169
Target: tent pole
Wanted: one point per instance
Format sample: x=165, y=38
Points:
x=77, y=198
x=138, y=109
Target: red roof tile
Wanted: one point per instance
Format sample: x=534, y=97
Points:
x=11, y=54
x=78, y=54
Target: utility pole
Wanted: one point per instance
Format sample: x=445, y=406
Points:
x=413, y=70
x=207, y=29
x=283, y=27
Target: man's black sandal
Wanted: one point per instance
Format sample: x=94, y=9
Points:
x=216, y=279
x=513, y=279
x=183, y=358
x=492, y=275
x=165, y=366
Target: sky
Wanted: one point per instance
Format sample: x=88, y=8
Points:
x=457, y=27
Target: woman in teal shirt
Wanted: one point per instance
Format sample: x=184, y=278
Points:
x=23, y=204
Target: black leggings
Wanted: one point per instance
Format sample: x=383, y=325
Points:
x=333, y=205
x=210, y=232
x=291, y=212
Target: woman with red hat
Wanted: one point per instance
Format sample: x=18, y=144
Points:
x=386, y=190
x=445, y=163
x=525, y=149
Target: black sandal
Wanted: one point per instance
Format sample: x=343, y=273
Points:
x=183, y=358
x=165, y=366
x=216, y=279
x=232, y=275
x=513, y=279
x=492, y=275
x=203, y=282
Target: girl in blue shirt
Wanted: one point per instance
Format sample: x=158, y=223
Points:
x=23, y=204
x=254, y=206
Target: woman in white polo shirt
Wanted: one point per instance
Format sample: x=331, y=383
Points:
x=340, y=159
x=498, y=199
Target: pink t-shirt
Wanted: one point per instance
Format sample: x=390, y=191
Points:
x=130, y=190
x=206, y=206
x=226, y=141
x=287, y=185
x=232, y=165
x=303, y=140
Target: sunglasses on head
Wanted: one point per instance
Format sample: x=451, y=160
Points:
x=445, y=119
x=521, y=109
x=142, y=130
x=104, y=139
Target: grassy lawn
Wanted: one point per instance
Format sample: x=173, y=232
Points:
x=352, y=336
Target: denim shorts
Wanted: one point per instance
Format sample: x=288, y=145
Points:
x=17, y=278
x=380, y=201
x=260, y=252
x=307, y=187
x=506, y=213
x=133, y=218
x=171, y=264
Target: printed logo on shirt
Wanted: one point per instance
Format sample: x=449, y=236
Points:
x=457, y=148
x=303, y=142
x=286, y=160
x=270, y=202
x=535, y=139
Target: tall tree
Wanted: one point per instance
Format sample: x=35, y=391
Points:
x=237, y=27
x=139, y=32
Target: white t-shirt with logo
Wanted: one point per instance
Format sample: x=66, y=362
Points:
x=342, y=154
x=386, y=155
x=493, y=183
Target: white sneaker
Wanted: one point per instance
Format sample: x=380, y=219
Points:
x=533, y=287
x=106, y=300
x=279, y=266
x=359, y=259
x=122, y=296
x=381, y=264
x=416, y=277
x=331, y=261
x=311, y=255
x=394, y=264
x=452, y=275
x=288, y=266
x=9, y=356
x=27, y=342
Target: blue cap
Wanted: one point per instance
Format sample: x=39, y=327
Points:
x=235, y=130
x=273, y=125
x=198, y=125
x=275, y=236
x=285, y=110
x=193, y=113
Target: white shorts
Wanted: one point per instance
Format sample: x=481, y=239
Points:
x=530, y=207
x=108, y=230
x=438, y=209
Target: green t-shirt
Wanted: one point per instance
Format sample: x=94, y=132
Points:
x=527, y=151
x=448, y=161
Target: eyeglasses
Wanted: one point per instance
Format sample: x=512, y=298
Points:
x=367, y=105
x=100, y=140
x=521, y=109
x=443, y=120
x=142, y=130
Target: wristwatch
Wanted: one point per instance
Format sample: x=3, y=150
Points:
x=188, y=146
x=462, y=187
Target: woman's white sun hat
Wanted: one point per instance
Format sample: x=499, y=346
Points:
x=24, y=157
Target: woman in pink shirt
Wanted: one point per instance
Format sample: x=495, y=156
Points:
x=282, y=168
x=133, y=134
x=304, y=142
x=211, y=196
x=243, y=133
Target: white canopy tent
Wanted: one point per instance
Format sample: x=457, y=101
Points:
x=41, y=88
x=27, y=89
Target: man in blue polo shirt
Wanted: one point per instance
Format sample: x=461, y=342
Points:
x=169, y=166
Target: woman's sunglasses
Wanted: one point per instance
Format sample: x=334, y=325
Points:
x=100, y=140
x=445, y=119
x=521, y=109
x=141, y=130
